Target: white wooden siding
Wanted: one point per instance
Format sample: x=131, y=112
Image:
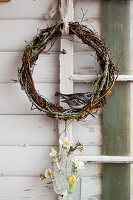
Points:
x=13, y=33
x=29, y=160
x=47, y=69
x=20, y=188
x=30, y=9
x=25, y=135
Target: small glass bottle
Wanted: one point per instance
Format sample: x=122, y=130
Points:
x=59, y=179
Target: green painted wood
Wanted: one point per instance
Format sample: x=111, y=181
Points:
x=116, y=115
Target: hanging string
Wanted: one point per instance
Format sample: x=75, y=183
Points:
x=55, y=9
x=61, y=7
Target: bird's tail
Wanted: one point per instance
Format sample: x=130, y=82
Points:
x=58, y=94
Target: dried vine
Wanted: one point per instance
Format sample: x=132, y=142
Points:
x=102, y=86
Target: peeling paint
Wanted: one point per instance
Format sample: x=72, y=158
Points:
x=95, y=197
x=99, y=168
x=26, y=190
x=99, y=139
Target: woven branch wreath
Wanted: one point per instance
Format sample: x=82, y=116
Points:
x=102, y=86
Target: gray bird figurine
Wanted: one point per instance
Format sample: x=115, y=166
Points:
x=75, y=101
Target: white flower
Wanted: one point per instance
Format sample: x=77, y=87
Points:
x=79, y=164
x=48, y=173
x=65, y=142
x=53, y=152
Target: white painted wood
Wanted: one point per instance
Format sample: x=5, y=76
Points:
x=14, y=33
x=86, y=63
x=28, y=130
x=82, y=87
x=47, y=66
x=20, y=188
x=126, y=78
x=90, y=189
x=41, y=130
x=66, y=61
x=92, y=169
x=46, y=69
x=88, y=131
x=32, y=160
x=91, y=9
x=24, y=9
x=24, y=160
x=107, y=159
x=33, y=188
x=15, y=100
x=19, y=21
x=36, y=9
x=90, y=78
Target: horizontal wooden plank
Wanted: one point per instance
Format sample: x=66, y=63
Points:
x=15, y=101
x=46, y=69
x=41, y=130
x=36, y=9
x=24, y=9
x=28, y=130
x=96, y=188
x=47, y=66
x=24, y=160
x=31, y=188
x=90, y=78
x=14, y=33
x=107, y=159
x=32, y=160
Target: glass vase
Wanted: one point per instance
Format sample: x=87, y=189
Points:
x=59, y=179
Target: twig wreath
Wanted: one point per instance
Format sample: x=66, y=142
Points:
x=102, y=86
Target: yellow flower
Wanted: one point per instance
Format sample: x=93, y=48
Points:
x=72, y=179
x=65, y=143
x=42, y=176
